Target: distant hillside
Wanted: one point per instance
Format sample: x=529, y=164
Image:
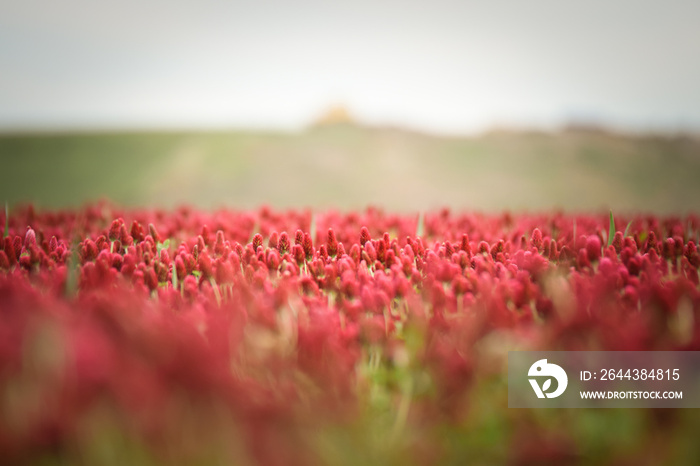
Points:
x=346, y=166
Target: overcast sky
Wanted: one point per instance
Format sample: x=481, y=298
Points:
x=438, y=65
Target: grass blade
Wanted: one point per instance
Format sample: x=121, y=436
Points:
x=217, y=293
x=611, y=233
x=627, y=229
x=421, y=225
x=7, y=221
x=174, y=277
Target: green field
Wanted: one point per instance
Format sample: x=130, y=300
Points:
x=350, y=167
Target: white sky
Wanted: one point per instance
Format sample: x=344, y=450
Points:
x=438, y=65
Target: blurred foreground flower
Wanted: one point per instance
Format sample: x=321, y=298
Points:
x=195, y=337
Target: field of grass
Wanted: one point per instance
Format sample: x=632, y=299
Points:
x=350, y=167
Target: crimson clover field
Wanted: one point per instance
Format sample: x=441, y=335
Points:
x=286, y=337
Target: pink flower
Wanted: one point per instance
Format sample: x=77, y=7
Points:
x=4, y=261
x=364, y=236
x=258, y=241
x=273, y=240
x=283, y=244
x=137, y=232
x=9, y=249
x=308, y=246
x=299, y=237
x=114, y=230
x=536, y=239
x=298, y=254
x=332, y=243
x=29, y=239
x=205, y=266
x=593, y=248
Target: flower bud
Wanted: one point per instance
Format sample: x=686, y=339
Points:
x=536, y=239
x=273, y=241
x=29, y=239
x=53, y=244
x=257, y=241
x=651, y=242
x=114, y=228
x=308, y=246
x=283, y=244
x=137, y=232
x=617, y=241
x=332, y=243
x=449, y=249
x=220, y=243
x=298, y=254
x=4, y=261
x=464, y=245
x=150, y=279
x=593, y=246
x=9, y=249
x=180, y=268
x=204, y=264
x=355, y=253
x=371, y=253
x=364, y=236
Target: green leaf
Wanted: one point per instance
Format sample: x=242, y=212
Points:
x=612, y=229
x=164, y=245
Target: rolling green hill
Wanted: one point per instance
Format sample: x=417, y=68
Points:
x=349, y=167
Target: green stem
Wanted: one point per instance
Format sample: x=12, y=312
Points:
x=217, y=293
x=402, y=412
x=174, y=278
